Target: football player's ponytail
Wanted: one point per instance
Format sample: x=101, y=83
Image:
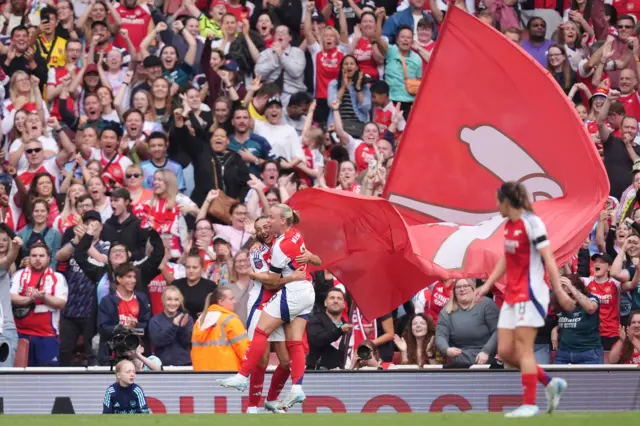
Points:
x=292, y=216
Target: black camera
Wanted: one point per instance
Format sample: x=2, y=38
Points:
x=364, y=351
x=124, y=340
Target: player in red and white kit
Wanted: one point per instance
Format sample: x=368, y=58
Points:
x=290, y=306
x=526, y=299
x=259, y=296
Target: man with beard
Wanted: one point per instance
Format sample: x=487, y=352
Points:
x=22, y=57
x=619, y=153
x=38, y=295
x=297, y=110
x=62, y=75
x=537, y=45
x=283, y=138
x=253, y=149
x=326, y=332
x=284, y=61
x=136, y=20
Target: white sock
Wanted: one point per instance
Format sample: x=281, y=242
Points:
x=296, y=388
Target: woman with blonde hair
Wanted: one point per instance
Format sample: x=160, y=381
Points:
x=240, y=283
x=467, y=329
x=69, y=216
x=170, y=330
x=24, y=93
x=166, y=210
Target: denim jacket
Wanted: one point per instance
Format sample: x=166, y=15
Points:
x=362, y=110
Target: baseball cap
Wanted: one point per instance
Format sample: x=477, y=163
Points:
x=600, y=92
x=92, y=215
x=121, y=193
x=91, y=68
x=151, y=61
x=99, y=23
x=230, y=65
x=221, y=238
x=274, y=100
x=603, y=256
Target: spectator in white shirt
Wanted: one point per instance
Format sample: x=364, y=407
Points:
x=284, y=139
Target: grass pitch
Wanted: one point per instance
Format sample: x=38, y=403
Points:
x=450, y=419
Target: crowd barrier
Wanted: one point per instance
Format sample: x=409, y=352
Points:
x=174, y=391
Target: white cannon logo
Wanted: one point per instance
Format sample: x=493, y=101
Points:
x=506, y=160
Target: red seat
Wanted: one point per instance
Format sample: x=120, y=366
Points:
x=397, y=358
x=22, y=354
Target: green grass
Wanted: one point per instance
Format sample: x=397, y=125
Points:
x=453, y=419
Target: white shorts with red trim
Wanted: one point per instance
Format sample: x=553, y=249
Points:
x=522, y=314
x=276, y=336
x=292, y=302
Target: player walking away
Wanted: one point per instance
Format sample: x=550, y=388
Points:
x=527, y=252
x=260, y=256
x=290, y=306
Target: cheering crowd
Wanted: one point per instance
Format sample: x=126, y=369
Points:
x=147, y=145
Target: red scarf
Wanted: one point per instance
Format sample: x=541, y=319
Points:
x=363, y=329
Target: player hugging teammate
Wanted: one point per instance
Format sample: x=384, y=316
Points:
x=282, y=273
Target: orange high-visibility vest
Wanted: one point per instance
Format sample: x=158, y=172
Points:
x=220, y=346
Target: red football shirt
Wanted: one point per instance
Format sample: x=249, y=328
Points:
x=364, y=153
x=136, y=21
x=440, y=296
x=525, y=270
x=608, y=293
x=364, y=56
x=128, y=308
x=327, y=68
x=631, y=104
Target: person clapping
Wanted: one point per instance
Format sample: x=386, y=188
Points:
x=170, y=331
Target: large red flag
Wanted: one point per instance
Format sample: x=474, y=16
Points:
x=486, y=113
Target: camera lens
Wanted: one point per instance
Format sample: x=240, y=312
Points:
x=131, y=342
x=364, y=352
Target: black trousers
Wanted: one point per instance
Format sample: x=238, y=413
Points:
x=70, y=330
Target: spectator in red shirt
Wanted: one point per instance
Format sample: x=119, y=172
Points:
x=327, y=54
x=124, y=306
x=136, y=20
x=362, y=46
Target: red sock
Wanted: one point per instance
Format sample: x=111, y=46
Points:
x=543, y=377
x=529, y=383
x=254, y=354
x=278, y=379
x=296, y=353
x=256, y=382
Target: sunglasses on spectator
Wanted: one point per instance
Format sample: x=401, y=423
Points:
x=628, y=27
x=133, y=175
x=32, y=150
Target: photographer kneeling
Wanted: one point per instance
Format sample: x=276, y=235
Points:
x=123, y=307
x=124, y=396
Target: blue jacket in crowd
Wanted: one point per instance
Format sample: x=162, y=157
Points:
x=172, y=343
